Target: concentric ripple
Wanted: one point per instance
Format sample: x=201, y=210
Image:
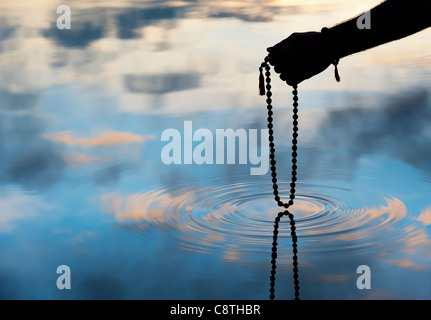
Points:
x=237, y=220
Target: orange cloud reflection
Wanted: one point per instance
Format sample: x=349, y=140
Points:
x=105, y=138
x=425, y=216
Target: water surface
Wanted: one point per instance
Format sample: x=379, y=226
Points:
x=82, y=182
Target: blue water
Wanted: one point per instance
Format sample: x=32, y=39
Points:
x=83, y=184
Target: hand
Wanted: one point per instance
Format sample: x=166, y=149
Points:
x=299, y=57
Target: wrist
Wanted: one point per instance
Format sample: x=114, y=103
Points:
x=329, y=44
x=330, y=49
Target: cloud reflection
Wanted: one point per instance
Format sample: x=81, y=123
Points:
x=396, y=126
x=27, y=159
x=425, y=216
x=105, y=138
x=161, y=84
x=16, y=206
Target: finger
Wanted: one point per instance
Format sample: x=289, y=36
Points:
x=283, y=66
x=277, y=58
x=279, y=45
x=293, y=78
x=280, y=57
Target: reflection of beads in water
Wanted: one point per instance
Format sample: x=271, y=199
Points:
x=274, y=179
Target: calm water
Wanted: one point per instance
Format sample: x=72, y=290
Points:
x=82, y=182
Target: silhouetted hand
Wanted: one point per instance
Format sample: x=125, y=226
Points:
x=299, y=57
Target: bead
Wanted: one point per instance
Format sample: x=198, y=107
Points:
x=269, y=101
x=291, y=202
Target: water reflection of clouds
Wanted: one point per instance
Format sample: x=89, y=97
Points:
x=425, y=216
x=162, y=83
x=27, y=158
x=396, y=126
x=103, y=139
x=17, y=205
x=123, y=47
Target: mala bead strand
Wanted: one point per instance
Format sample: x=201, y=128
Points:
x=273, y=162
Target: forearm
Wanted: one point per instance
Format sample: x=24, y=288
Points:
x=391, y=20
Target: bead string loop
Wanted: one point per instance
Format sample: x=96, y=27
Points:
x=275, y=188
